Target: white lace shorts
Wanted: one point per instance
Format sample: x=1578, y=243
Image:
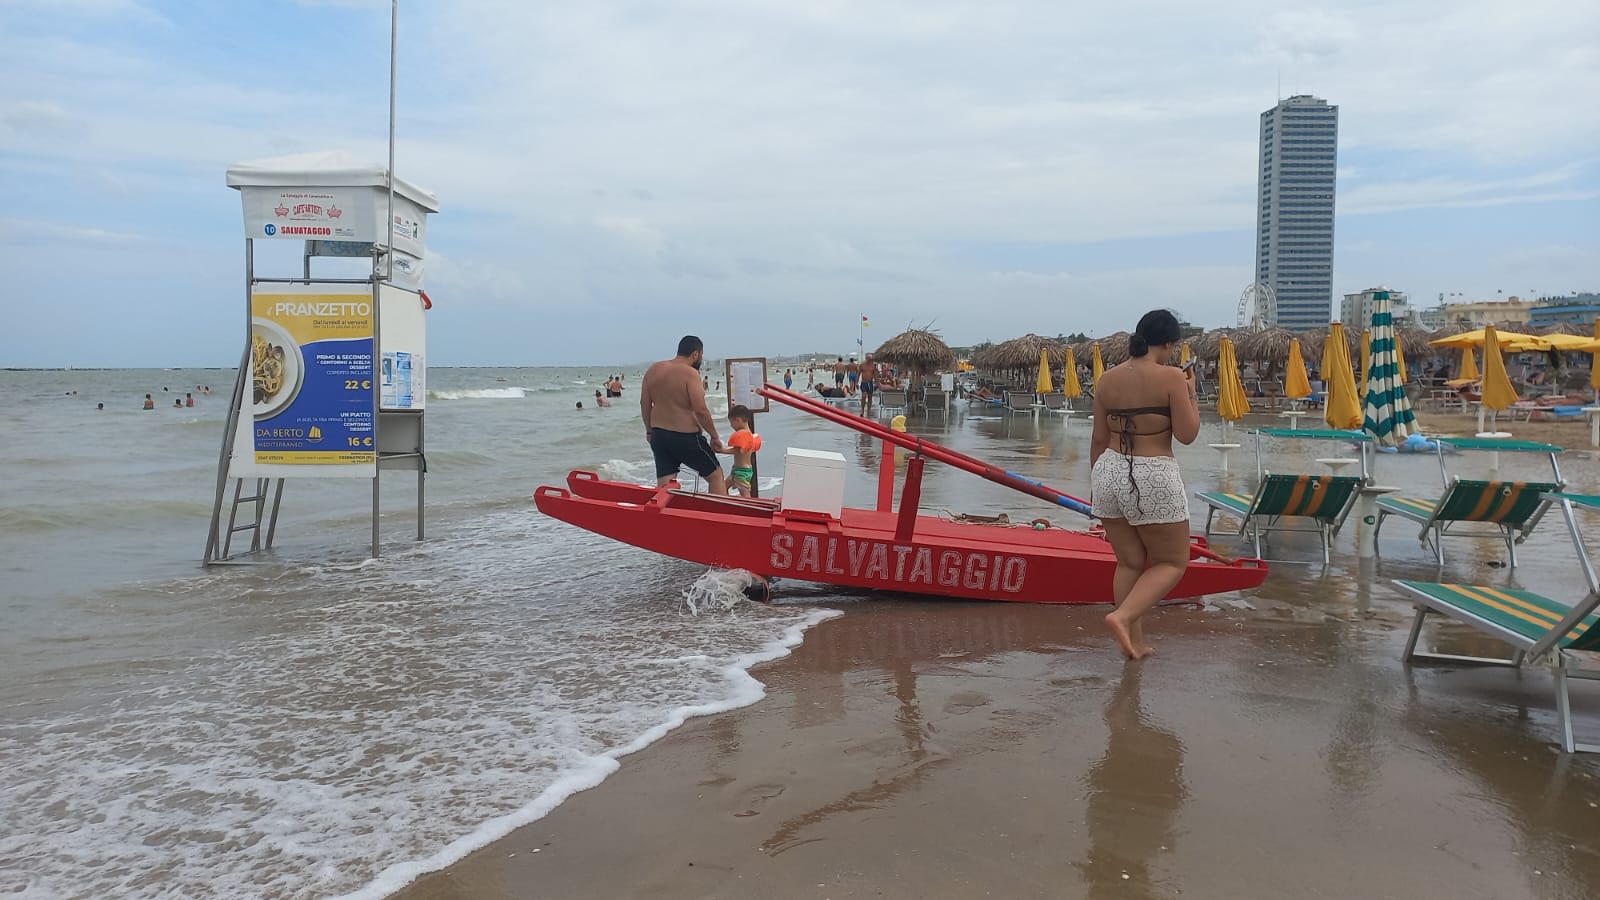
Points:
x=1160, y=497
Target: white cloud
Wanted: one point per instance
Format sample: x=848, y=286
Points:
x=829, y=155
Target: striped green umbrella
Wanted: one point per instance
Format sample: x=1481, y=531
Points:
x=1386, y=414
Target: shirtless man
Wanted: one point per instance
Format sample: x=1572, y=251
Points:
x=869, y=384
x=838, y=373
x=672, y=401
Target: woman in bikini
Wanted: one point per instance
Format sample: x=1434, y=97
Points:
x=1139, y=407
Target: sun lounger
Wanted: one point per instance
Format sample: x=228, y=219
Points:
x=1057, y=404
x=933, y=399
x=1324, y=499
x=1019, y=402
x=1508, y=506
x=1535, y=625
x=892, y=403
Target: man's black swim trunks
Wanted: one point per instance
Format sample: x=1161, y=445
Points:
x=677, y=448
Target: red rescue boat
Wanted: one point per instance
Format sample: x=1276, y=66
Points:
x=883, y=548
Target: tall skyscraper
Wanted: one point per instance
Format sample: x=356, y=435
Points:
x=1294, y=212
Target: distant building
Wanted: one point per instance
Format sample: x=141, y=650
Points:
x=1432, y=318
x=1294, y=209
x=1356, y=311
x=1486, y=312
x=1579, y=309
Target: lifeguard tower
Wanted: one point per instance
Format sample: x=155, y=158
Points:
x=332, y=380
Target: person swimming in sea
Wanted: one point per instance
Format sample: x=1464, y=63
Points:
x=149, y=402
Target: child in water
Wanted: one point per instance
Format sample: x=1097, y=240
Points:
x=743, y=444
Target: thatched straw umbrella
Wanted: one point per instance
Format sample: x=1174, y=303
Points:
x=1414, y=343
x=1562, y=328
x=918, y=349
x=1114, y=349
x=1270, y=345
x=1208, y=345
x=1022, y=353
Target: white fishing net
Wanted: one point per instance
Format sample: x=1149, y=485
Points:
x=720, y=590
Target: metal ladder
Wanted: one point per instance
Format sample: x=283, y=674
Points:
x=264, y=486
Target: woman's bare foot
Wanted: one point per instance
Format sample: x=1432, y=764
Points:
x=1124, y=640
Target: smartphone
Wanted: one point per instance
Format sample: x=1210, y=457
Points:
x=1190, y=364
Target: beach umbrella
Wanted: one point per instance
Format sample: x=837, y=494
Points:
x=1231, y=401
x=1296, y=385
x=1098, y=366
x=1184, y=355
x=1021, y=354
x=1469, y=365
x=1044, y=384
x=1069, y=379
x=1498, y=393
x=1400, y=359
x=1114, y=348
x=1514, y=341
x=1594, y=361
x=1366, y=354
x=1268, y=348
x=1343, y=410
x=917, y=349
x=1386, y=414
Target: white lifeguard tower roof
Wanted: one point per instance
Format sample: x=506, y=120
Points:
x=326, y=168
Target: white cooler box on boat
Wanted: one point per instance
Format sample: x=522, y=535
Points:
x=813, y=480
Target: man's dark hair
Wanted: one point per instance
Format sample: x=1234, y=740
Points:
x=689, y=345
x=742, y=413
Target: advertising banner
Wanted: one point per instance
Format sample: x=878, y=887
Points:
x=402, y=380
x=308, y=213
x=311, y=378
x=746, y=377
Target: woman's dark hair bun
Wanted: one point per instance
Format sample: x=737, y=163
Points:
x=1159, y=326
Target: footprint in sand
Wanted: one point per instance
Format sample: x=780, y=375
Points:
x=757, y=797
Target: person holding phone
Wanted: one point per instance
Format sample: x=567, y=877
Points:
x=1137, y=490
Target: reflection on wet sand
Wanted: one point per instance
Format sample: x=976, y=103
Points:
x=916, y=763
x=1135, y=791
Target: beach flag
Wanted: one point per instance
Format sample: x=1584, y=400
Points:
x=864, y=322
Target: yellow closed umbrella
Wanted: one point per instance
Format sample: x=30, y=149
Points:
x=1399, y=359
x=1498, y=393
x=1231, y=401
x=1469, y=365
x=1184, y=355
x=1594, y=362
x=1366, y=355
x=1069, y=378
x=1044, y=385
x=1098, y=367
x=1296, y=386
x=1343, y=410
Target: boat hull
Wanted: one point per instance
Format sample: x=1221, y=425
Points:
x=862, y=549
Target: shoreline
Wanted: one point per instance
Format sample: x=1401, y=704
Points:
x=928, y=749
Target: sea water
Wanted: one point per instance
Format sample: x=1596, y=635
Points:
x=324, y=723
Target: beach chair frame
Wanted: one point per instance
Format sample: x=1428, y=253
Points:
x=1056, y=404
x=1443, y=519
x=1019, y=402
x=1564, y=643
x=1257, y=519
x=891, y=402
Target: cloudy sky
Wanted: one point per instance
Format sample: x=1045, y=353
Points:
x=763, y=172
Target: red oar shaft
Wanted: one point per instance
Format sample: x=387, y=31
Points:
x=926, y=448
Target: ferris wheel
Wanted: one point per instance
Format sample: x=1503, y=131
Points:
x=1258, y=307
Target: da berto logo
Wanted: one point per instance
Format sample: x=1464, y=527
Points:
x=270, y=229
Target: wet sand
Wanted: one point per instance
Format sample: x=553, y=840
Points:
x=935, y=749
